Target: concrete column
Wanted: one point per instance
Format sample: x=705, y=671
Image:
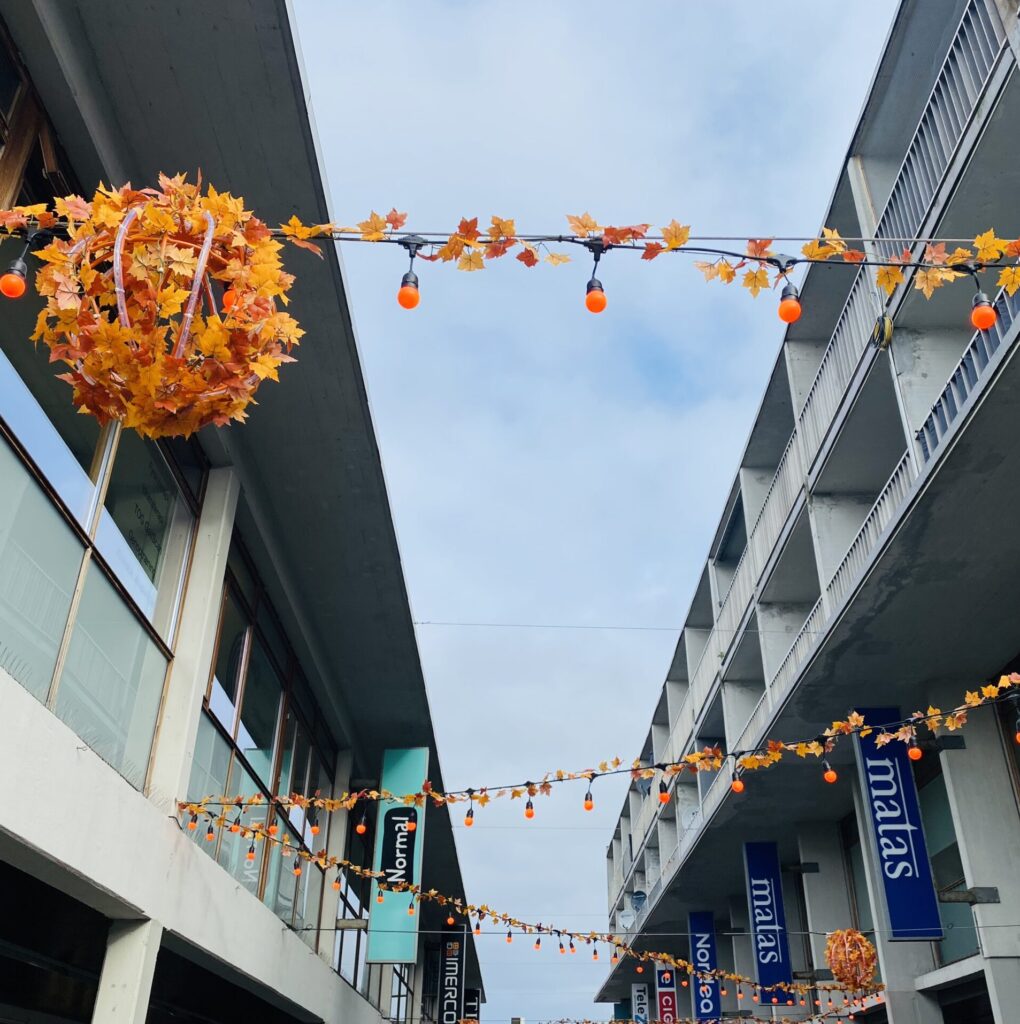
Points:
x=128, y=969
x=739, y=702
x=778, y=626
x=754, y=487
x=983, y=804
x=900, y=963
x=336, y=842
x=835, y=520
x=174, y=747
x=802, y=361
x=826, y=899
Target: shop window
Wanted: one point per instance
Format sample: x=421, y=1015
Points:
x=40, y=557
x=860, y=903
x=112, y=683
x=259, y=716
x=230, y=647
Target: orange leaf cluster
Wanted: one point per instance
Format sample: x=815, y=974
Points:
x=141, y=374
x=852, y=959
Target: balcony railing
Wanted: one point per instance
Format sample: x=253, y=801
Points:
x=737, y=599
x=839, y=361
x=859, y=553
x=802, y=645
x=959, y=86
x=968, y=375
x=776, y=508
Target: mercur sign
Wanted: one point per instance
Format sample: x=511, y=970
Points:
x=895, y=836
x=399, y=841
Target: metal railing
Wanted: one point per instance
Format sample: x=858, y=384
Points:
x=968, y=375
x=802, y=645
x=839, y=361
x=775, y=510
x=859, y=553
x=759, y=717
x=737, y=598
x=954, y=97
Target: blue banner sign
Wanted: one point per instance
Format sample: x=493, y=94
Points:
x=399, y=844
x=704, y=991
x=768, y=918
x=896, y=836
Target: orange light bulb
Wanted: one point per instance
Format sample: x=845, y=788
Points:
x=469, y=818
x=13, y=284
x=297, y=868
x=273, y=829
x=737, y=785
x=361, y=828
x=639, y=969
x=589, y=803
x=595, y=299
x=210, y=835
x=983, y=314
x=336, y=884
x=408, y=296
x=193, y=823
x=1017, y=736
x=663, y=793
x=449, y=919
x=379, y=896
x=830, y=775
x=529, y=810
x=789, y=310
x=915, y=753
x=411, y=825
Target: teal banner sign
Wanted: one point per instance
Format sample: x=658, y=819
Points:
x=399, y=843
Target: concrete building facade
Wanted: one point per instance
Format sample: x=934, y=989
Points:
x=866, y=556
x=185, y=619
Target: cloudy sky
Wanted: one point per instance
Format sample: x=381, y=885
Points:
x=548, y=467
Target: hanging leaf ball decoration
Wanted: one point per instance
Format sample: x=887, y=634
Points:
x=852, y=959
x=132, y=307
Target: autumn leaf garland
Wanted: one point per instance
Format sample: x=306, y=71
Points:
x=709, y=759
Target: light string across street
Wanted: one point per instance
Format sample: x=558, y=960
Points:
x=568, y=940
x=765, y=755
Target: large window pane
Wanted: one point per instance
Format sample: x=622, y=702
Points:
x=260, y=707
x=306, y=915
x=145, y=530
x=211, y=764
x=39, y=562
x=64, y=468
x=112, y=681
x=227, y=671
x=233, y=851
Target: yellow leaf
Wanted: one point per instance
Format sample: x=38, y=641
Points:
x=755, y=280
x=1009, y=278
x=817, y=250
x=971, y=699
x=471, y=261
x=557, y=258
x=502, y=229
x=927, y=280
x=888, y=278
x=989, y=246
x=990, y=691
x=584, y=225
x=373, y=229
x=710, y=270
x=725, y=271
x=675, y=235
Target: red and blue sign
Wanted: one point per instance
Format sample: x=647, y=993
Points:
x=895, y=833
x=704, y=991
x=768, y=918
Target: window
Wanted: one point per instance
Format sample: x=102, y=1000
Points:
x=947, y=868
x=89, y=596
x=401, y=993
x=853, y=852
x=255, y=739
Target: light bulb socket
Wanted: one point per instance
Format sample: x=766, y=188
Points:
x=789, y=291
x=980, y=298
x=409, y=280
x=595, y=285
x=18, y=266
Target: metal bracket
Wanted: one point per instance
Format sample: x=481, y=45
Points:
x=358, y=924
x=979, y=894
x=807, y=868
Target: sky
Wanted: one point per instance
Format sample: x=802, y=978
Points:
x=548, y=468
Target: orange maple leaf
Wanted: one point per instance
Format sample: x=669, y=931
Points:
x=759, y=247
x=652, y=249
x=396, y=220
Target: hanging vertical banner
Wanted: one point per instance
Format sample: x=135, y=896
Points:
x=639, y=1004
x=665, y=995
x=768, y=918
x=451, y=976
x=896, y=837
x=472, y=1003
x=399, y=842
x=704, y=991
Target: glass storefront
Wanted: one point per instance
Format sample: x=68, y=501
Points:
x=254, y=738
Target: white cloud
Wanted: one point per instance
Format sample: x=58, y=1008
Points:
x=546, y=465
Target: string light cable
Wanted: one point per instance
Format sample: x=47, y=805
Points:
x=783, y=993
x=709, y=759
x=758, y=267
